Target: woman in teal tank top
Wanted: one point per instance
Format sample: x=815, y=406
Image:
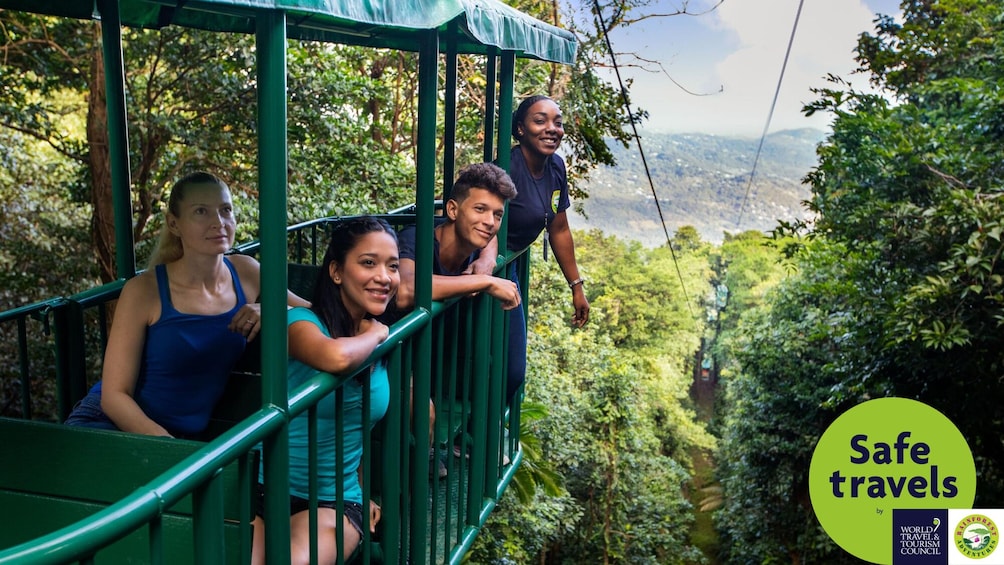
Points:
x=358, y=279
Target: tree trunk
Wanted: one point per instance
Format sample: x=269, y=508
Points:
x=102, y=214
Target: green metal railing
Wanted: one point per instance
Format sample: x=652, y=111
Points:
x=424, y=520
x=28, y=324
x=58, y=325
x=453, y=353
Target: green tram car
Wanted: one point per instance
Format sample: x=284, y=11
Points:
x=75, y=495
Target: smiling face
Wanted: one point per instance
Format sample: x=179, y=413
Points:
x=478, y=216
x=205, y=220
x=369, y=276
x=541, y=130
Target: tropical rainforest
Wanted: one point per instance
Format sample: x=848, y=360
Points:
x=889, y=284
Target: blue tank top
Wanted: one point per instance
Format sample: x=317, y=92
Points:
x=187, y=359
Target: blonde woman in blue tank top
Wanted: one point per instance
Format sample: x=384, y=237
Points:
x=180, y=326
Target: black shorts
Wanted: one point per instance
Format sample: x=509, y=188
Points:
x=353, y=510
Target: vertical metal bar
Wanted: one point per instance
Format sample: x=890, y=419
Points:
x=407, y=493
x=428, y=74
x=78, y=351
x=456, y=427
x=491, y=70
x=272, y=185
x=497, y=326
x=156, y=531
x=391, y=457
x=450, y=119
x=495, y=397
x=507, y=74
x=437, y=375
x=479, y=410
x=339, y=468
x=500, y=331
x=312, y=481
x=314, y=240
x=103, y=324
x=22, y=355
x=366, y=474
x=61, y=336
x=118, y=136
x=523, y=280
x=247, y=477
x=506, y=78
x=71, y=378
x=207, y=511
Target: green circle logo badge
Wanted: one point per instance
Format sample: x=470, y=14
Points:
x=882, y=455
x=976, y=536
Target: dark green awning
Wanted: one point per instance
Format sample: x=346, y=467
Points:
x=379, y=23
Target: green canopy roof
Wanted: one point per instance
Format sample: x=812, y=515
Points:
x=379, y=23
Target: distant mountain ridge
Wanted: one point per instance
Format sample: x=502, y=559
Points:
x=702, y=181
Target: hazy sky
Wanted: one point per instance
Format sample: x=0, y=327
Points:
x=734, y=55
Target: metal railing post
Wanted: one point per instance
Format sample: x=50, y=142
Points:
x=270, y=44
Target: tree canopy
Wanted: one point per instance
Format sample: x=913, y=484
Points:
x=897, y=290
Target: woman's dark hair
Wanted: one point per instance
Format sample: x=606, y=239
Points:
x=520, y=114
x=327, y=300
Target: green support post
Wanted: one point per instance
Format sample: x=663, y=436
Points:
x=389, y=454
x=70, y=348
x=272, y=185
x=450, y=119
x=118, y=136
x=491, y=69
x=507, y=75
x=495, y=400
x=207, y=506
x=479, y=413
x=428, y=76
x=156, y=532
x=24, y=367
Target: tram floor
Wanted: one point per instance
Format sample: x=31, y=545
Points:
x=449, y=501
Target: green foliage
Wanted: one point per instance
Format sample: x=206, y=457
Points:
x=620, y=425
x=960, y=303
x=935, y=41
x=534, y=471
x=43, y=236
x=898, y=284
x=640, y=293
x=191, y=106
x=350, y=131
x=518, y=532
x=778, y=403
x=929, y=177
x=46, y=253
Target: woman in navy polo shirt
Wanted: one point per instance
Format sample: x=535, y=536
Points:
x=542, y=198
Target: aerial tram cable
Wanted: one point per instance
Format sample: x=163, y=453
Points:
x=770, y=114
x=641, y=152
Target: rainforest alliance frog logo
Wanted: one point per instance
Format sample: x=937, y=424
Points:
x=976, y=536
